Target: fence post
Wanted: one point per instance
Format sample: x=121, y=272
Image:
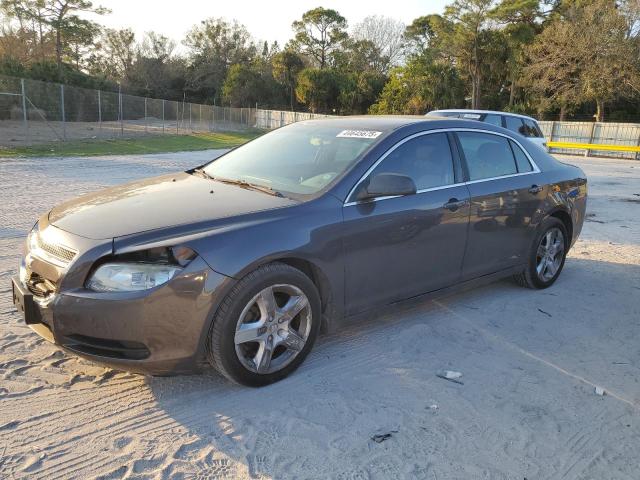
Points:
x=177, y=112
x=64, y=128
x=120, y=113
x=190, y=127
x=99, y=114
x=25, y=115
x=145, y=115
x=282, y=119
x=163, y=115
x=200, y=121
x=593, y=126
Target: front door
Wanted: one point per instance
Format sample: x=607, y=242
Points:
x=400, y=247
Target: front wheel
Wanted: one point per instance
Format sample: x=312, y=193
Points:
x=547, y=255
x=266, y=326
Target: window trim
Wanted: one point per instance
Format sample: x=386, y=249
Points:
x=366, y=174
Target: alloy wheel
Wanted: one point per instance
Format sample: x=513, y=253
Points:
x=550, y=254
x=273, y=328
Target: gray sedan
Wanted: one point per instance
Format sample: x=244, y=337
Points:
x=240, y=263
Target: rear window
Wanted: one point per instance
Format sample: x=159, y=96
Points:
x=521, y=159
x=531, y=128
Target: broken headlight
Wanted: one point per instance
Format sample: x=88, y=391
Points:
x=139, y=270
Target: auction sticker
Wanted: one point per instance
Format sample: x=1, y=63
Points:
x=359, y=134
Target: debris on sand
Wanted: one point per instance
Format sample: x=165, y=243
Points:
x=381, y=437
x=451, y=376
x=546, y=313
x=600, y=391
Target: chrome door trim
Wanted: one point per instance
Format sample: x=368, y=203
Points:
x=424, y=190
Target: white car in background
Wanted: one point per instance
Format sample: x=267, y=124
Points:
x=525, y=126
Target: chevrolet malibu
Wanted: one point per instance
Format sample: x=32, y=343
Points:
x=242, y=262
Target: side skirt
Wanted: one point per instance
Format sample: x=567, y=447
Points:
x=443, y=292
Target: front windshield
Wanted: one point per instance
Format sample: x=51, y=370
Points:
x=300, y=158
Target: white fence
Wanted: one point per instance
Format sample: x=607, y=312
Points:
x=627, y=134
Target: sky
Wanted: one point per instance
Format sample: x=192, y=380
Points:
x=265, y=20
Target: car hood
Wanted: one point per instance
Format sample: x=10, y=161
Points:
x=158, y=202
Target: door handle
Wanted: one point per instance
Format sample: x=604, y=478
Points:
x=454, y=204
x=535, y=189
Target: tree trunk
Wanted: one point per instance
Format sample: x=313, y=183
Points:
x=563, y=112
x=512, y=93
x=599, y=111
x=59, y=53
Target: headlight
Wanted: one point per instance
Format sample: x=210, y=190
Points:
x=140, y=270
x=32, y=238
x=118, y=277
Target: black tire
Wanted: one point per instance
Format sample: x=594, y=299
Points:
x=529, y=277
x=221, y=348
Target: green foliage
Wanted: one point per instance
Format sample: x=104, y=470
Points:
x=519, y=55
x=420, y=86
x=320, y=33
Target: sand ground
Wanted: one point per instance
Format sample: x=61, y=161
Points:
x=530, y=362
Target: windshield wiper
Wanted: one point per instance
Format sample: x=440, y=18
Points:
x=240, y=183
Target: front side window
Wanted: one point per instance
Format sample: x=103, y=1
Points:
x=425, y=159
x=487, y=155
x=300, y=158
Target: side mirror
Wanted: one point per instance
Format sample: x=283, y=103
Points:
x=387, y=185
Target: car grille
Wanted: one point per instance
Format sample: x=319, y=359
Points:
x=63, y=254
x=40, y=286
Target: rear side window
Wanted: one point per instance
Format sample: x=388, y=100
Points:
x=425, y=159
x=514, y=124
x=487, y=155
x=493, y=119
x=531, y=128
x=521, y=159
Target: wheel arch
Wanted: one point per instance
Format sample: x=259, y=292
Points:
x=565, y=217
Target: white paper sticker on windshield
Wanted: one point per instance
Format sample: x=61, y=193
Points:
x=475, y=116
x=359, y=134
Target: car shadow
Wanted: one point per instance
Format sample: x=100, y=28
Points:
x=378, y=376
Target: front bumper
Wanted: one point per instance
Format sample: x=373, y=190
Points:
x=159, y=331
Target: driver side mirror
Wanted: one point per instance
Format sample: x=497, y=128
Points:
x=387, y=185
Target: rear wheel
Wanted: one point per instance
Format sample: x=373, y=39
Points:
x=266, y=326
x=547, y=255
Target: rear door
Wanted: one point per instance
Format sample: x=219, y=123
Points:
x=505, y=190
x=400, y=247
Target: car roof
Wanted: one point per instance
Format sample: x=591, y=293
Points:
x=388, y=123
x=482, y=112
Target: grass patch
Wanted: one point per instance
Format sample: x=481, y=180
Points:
x=132, y=146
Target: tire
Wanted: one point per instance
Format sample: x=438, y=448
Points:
x=258, y=335
x=531, y=276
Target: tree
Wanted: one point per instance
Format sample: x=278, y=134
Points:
x=420, y=86
x=589, y=56
x=214, y=46
x=116, y=54
x=386, y=34
x=319, y=33
x=286, y=67
x=61, y=16
x=319, y=89
x=467, y=40
x=521, y=24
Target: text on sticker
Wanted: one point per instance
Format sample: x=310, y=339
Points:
x=359, y=134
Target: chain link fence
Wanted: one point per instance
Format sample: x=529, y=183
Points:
x=34, y=112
